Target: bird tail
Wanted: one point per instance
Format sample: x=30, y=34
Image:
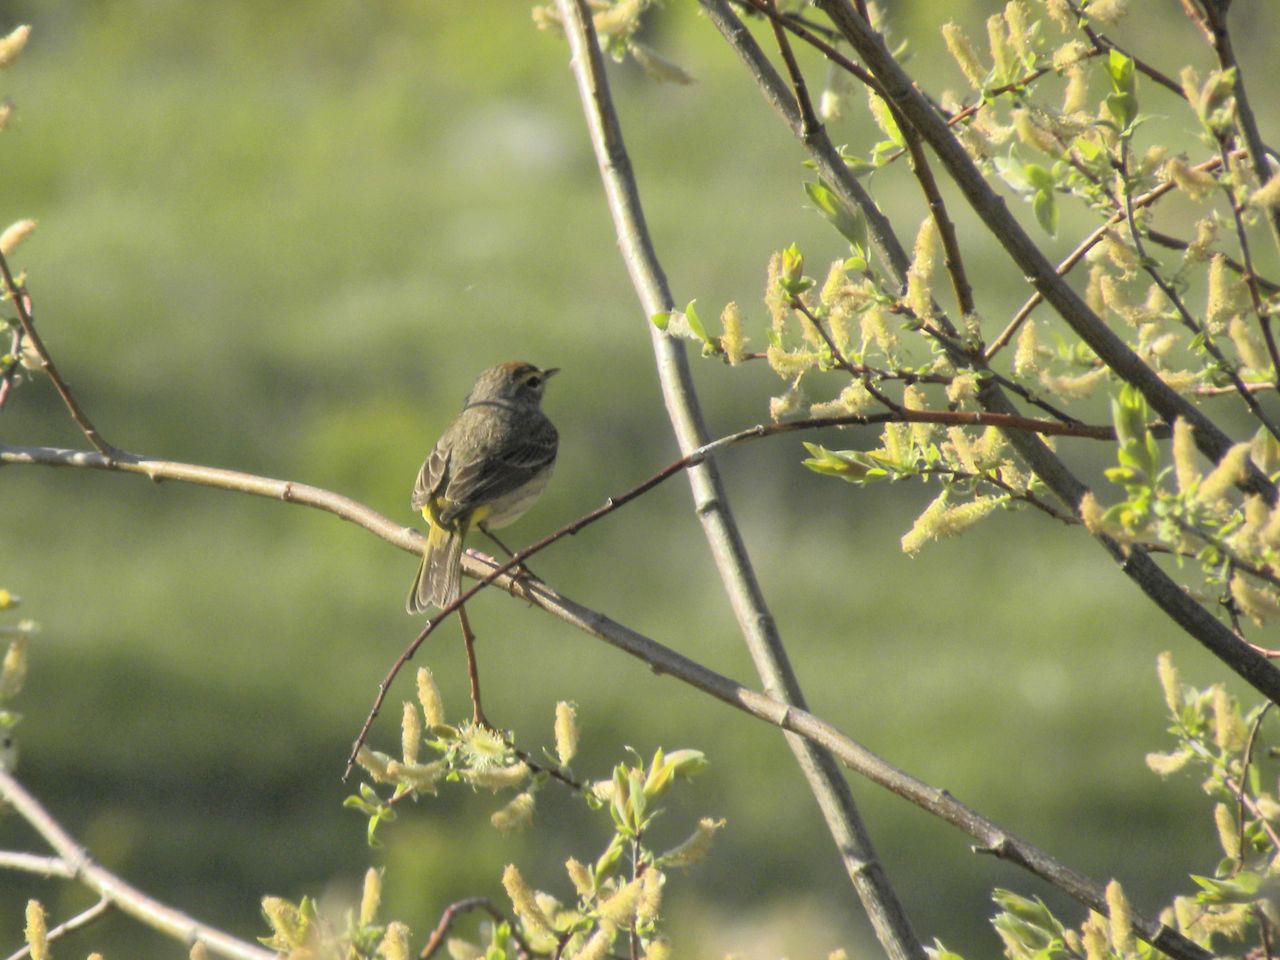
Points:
x=439, y=579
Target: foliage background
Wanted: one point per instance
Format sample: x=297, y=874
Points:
x=284, y=238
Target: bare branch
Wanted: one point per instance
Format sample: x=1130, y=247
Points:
x=128, y=899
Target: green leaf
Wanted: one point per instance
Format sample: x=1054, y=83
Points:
x=695, y=323
x=1045, y=208
x=1121, y=72
x=660, y=320
x=850, y=224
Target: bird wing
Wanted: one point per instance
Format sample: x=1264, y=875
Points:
x=495, y=475
x=433, y=475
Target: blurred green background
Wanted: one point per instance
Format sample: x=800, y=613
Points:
x=284, y=238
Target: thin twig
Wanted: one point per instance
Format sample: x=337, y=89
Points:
x=1188, y=321
x=82, y=919
x=20, y=302
x=455, y=910
x=107, y=885
x=10, y=372
x=1215, y=13
x=1245, y=761
x=473, y=670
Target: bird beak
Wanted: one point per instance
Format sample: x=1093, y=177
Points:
x=551, y=372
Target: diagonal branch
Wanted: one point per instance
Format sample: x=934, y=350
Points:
x=128, y=899
x=756, y=622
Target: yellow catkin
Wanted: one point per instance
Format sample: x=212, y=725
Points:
x=1032, y=134
x=659, y=949
x=649, y=906
x=370, y=896
x=522, y=899
x=1060, y=12
x=37, y=931
x=1108, y=11
x=789, y=364
x=1196, y=184
x=1091, y=513
x=620, y=906
x=853, y=399
x=963, y=448
x=12, y=43
x=1228, y=831
x=1223, y=300
x=395, y=942
x=1017, y=15
x=920, y=273
x=1252, y=353
x=1078, y=387
x=963, y=386
x=410, y=733
x=14, y=234
x=998, y=42
x=422, y=777
x=696, y=847
x=429, y=698
x=1186, y=467
x=875, y=329
x=1076, y=94
x=1267, y=196
x=923, y=530
x=787, y=404
x=1261, y=606
x=1026, y=355
x=1167, y=764
x=1231, y=469
x=1121, y=919
x=733, y=341
x=583, y=881
x=1170, y=682
x=1094, y=938
x=497, y=778
x=516, y=815
x=597, y=946
x=566, y=731
x=962, y=52
x=774, y=299
x=1229, y=732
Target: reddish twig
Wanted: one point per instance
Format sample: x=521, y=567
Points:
x=18, y=294
x=455, y=910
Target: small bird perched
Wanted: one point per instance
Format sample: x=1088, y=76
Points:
x=486, y=470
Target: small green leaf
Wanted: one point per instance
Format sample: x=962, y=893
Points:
x=660, y=320
x=1045, y=208
x=695, y=323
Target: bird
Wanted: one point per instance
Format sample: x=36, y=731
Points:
x=488, y=467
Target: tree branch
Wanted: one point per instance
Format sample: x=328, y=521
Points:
x=111, y=888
